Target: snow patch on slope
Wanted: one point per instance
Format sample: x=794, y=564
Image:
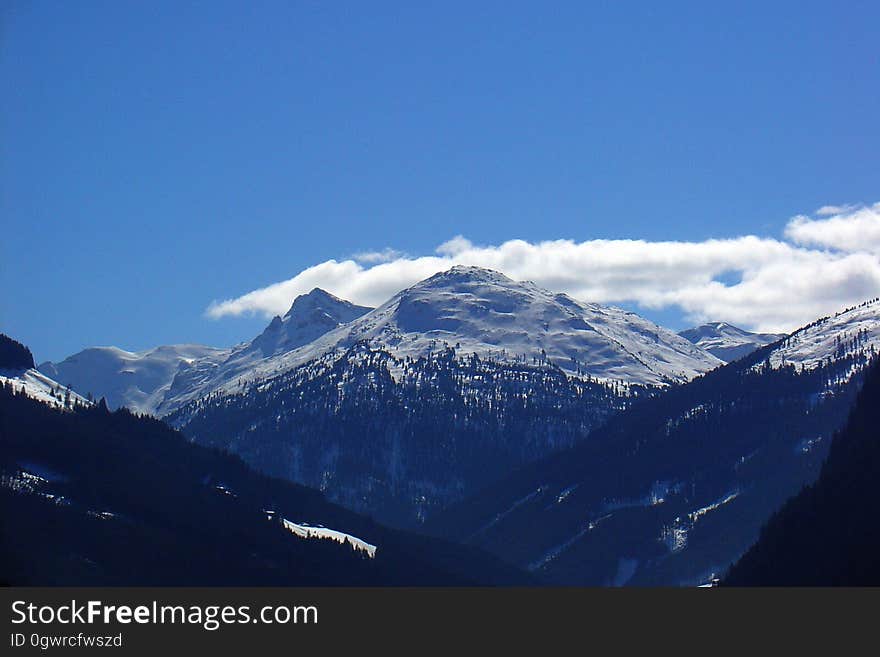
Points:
x=675, y=536
x=555, y=551
x=307, y=531
x=500, y=516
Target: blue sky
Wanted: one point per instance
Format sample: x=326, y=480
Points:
x=160, y=156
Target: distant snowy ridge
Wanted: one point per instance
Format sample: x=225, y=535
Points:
x=726, y=341
x=136, y=380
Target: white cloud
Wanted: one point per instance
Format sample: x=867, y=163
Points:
x=828, y=210
x=453, y=247
x=375, y=257
x=784, y=283
x=855, y=229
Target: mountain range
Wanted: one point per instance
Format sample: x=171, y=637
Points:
x=458, y=338
x=478, y=310
x=471, y=406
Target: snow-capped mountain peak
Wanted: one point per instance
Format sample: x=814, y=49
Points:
x=323, y=301
x=310, y=316
x=726, y=341
x=477, y=310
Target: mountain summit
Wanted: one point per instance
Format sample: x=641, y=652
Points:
x=481, y=311
x=310, y=316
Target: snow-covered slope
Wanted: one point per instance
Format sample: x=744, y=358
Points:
x=310, y=316
x=846, y=333
x=481, y=311
x=37, y=385
x=136, y=380
x=726, y=341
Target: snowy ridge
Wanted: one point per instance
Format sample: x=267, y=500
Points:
x=847, y=333
x=481, y=311
x=137, y=380
x=38, y=386
x=726, y=341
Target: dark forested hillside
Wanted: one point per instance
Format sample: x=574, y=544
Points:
x=399, y=437
x=14, y=355
x=676, y=488
x=828, y=534
x=90, y=497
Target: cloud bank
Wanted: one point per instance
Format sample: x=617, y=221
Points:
x=823, y=264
